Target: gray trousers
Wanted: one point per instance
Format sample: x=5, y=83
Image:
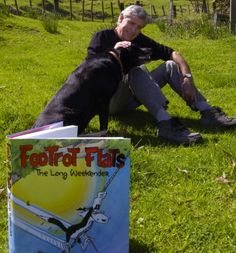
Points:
x=142, y=87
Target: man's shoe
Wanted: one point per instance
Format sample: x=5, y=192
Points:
x=215, y=117
x=173, y=131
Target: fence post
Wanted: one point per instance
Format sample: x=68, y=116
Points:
x=56, y=5
x=204, y=6
x=215, y=19
x=196, y=6
x=43, y=5
x=71, y=14
x=112, y=13
x=82, y=10
x=170, y=11
x=17, y=9
x=163, y=10
x=92, y=10
x=232, y=16
x=103, y=11
x=154, y=11
x=174, y=11
x=121, y=5
x=30, y=3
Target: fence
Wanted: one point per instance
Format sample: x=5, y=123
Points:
x=73, y=9
x=100, y=10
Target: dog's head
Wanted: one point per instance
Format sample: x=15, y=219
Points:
x=133, y=56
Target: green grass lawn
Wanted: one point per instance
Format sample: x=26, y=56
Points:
x=182, y=198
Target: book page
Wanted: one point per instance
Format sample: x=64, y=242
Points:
x=37, y=129
x=60, y=132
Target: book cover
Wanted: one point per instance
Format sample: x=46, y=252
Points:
x=68, y=195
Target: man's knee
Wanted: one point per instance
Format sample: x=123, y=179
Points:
x=172, y=67
x=137, y=70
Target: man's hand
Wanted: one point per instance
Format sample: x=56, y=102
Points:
x=123, y=44
x=189, y=90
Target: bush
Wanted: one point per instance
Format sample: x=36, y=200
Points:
x=50, y=23
x=192, y=28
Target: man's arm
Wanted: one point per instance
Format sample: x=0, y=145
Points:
x=188, y=87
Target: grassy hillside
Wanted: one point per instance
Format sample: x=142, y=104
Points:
x=182, y=199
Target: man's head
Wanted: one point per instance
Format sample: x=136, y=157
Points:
x=130, y=22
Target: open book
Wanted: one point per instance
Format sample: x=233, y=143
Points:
x=67, y=193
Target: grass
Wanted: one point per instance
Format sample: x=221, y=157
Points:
x=182, y=198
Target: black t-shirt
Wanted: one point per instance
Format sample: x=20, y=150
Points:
x=105, y=40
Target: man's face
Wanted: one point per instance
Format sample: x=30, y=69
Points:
x=129, y=28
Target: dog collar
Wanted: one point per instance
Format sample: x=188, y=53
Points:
x=119, y=61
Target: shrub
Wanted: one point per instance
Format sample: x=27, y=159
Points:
x=191, y=28
x=50, y=23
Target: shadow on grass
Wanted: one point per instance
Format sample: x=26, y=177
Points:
x=140, y=120
x=137, y=247
x=137, y=119
x=195, y=125
x=144, y=129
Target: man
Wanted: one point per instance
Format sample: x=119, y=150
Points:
x=142, y=87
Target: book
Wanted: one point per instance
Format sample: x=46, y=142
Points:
x=66, y=193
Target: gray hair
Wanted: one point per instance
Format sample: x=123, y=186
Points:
x=134, y=11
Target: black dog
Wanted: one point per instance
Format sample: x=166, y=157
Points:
x=89, y=88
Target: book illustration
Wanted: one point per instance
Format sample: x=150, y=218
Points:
x=74, y=223
x=76, y=233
